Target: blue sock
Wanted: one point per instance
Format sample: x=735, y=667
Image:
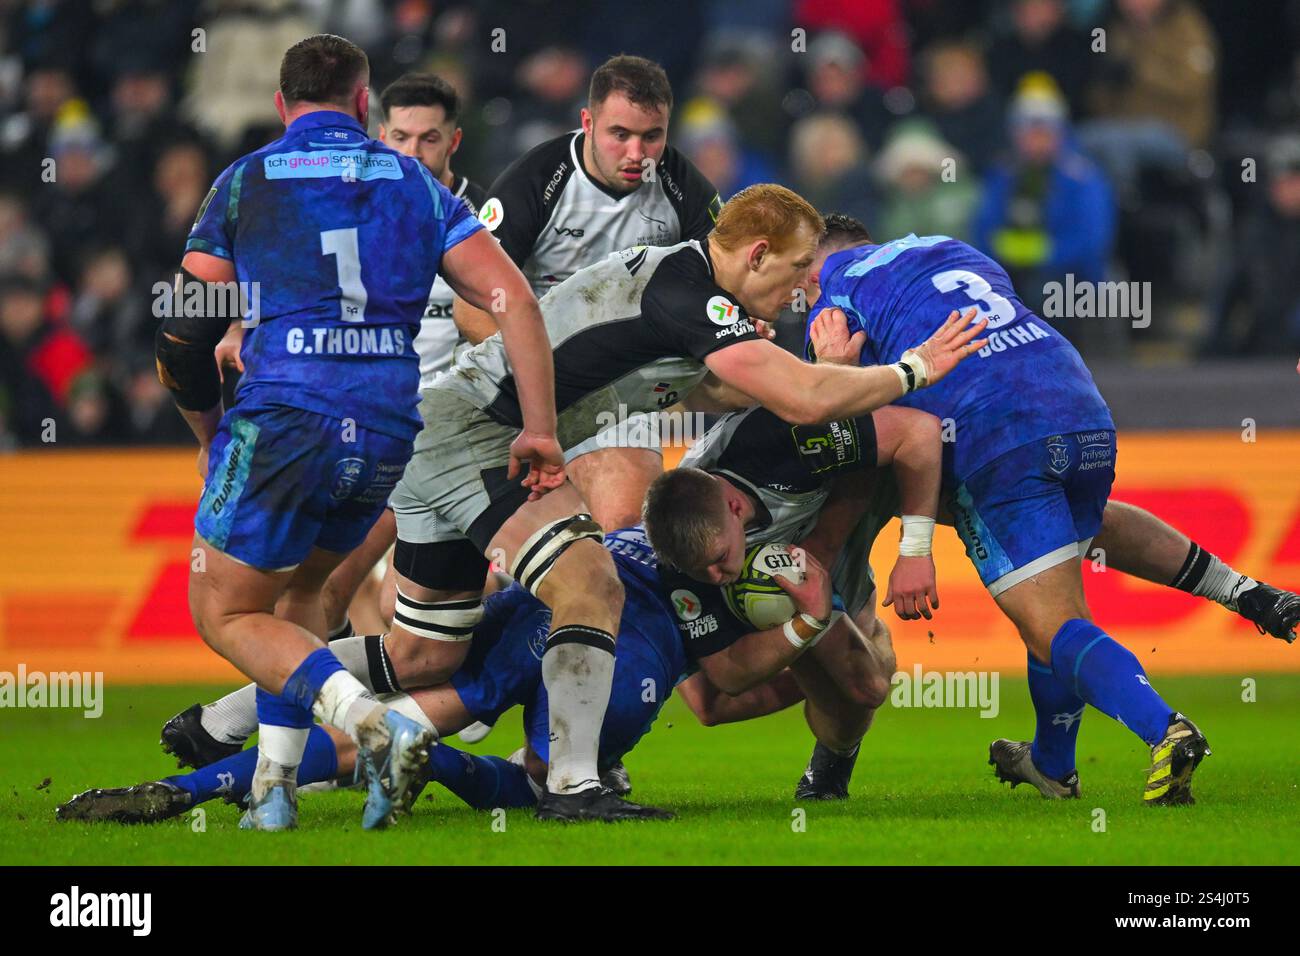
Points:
x=1108, y=676
x=1059, y=710
x=304, y=684
x=234, y=775
x=277, y=711
x=483, y=782
x=292, y=709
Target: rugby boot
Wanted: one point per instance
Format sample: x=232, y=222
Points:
x=827, y=775
x=185, y=739
x=275, y=810
x=143, y=803
x=1272, y=610
x=392, y=752
x=1013, y=763
x=617, y=780
x=596, y=803
x=1173, y=761
x=475, y=732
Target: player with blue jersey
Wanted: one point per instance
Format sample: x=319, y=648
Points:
x=504, y=669
x=335, y=240
x=1027, y=474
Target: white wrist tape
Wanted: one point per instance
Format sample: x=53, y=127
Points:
x=918, y=534
x=911, y=362
x=793, y=637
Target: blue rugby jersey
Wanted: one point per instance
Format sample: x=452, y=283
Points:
x=1027, y=383
x=344, y=237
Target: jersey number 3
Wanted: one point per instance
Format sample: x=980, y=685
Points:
x=989, y=304
x=342, y=245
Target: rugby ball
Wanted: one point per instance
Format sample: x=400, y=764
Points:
x=755, y=596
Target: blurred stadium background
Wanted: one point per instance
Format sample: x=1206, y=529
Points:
x=1164, y=149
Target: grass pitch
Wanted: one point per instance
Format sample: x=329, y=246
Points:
x=922, y=794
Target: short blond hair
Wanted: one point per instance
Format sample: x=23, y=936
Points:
x=684, y=513
x=763, y=211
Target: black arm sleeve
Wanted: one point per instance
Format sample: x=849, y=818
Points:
x=184, y=344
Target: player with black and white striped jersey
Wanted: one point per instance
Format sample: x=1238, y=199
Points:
x=829, y=488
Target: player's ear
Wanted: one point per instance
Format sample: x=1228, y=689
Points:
x=279, y=108
x=757, y=253
x=588, y=121
x=363, y=104
x=455, y=142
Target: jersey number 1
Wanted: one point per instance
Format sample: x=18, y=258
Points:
x=342, y=244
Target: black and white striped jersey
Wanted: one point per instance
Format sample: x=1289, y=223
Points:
x=786, y=469
x=629, y=334
x=553, y=218
x=438, y=335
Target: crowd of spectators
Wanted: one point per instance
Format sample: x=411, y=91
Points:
x=1132, y=140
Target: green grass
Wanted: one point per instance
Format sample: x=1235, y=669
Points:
x=922, y=794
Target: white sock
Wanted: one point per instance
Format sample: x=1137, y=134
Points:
x=344, y=702
x=578, y=679
x=1223, y=583
x=279, y=752
x=405, y=705
x=232, y=719
x=351, y=652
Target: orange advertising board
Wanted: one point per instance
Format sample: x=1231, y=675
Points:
x=95, y=550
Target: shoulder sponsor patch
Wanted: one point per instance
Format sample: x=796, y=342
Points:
x=492, y=214
x=350, y=164
x=722, y=311
x=686, y=604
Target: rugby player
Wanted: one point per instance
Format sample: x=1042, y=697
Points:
x=753, y=478
x=571, y=201
x=344, y=238
x=504, y=669
x=1027, y=479
x=639, y=323
x=420, y=120
x=420, y=115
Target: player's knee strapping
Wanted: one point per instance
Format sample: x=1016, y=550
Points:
x=453, y=621
x=538, y=554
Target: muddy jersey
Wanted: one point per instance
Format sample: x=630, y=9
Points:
x=438, y=335
x=552, y=218
x=629, y=334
